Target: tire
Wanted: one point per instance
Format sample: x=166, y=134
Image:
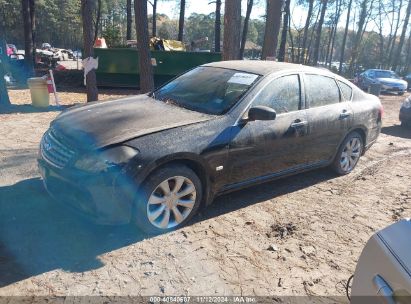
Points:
x=406, y=124
x=348, y=155
x=401, y=93
x=152, y=207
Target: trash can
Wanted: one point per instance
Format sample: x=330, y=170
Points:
x=38, y=91
x=374, y=89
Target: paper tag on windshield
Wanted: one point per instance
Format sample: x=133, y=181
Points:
x=243, y=78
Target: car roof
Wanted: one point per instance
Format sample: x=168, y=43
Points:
x=262, y=67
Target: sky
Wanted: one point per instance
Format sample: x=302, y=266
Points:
x=298, y=14
x=202, y=7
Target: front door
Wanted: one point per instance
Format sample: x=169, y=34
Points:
x=263, y=148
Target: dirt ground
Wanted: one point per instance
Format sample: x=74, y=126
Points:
x=298, y=236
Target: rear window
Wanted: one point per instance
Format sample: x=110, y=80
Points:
x=321, y=90
x=345, y=89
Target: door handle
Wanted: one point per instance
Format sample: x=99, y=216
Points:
x=344, y=114
x=383, y=290
x=299, y=124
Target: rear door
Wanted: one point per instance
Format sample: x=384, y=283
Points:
x=330, y=116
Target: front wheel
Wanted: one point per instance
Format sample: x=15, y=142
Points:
x=168, y=199
x=348, y=154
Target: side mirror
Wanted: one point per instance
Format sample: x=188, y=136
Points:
x=261, y=113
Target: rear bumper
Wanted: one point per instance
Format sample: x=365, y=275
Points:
x=107, y=198
x=372, y=136
x=393, y=89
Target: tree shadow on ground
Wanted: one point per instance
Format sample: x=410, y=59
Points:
x=38, y=234
x=397, y=131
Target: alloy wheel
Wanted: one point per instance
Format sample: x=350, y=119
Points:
x=171, y=202
x=350, y=154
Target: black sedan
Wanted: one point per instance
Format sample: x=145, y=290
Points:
x=222, y=126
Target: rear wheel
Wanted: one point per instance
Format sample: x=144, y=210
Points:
x=406, y=124
x=348, y=154
x=168, y=199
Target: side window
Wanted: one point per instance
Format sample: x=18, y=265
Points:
x=345, y=89
x=282, y=94
x=321, y=90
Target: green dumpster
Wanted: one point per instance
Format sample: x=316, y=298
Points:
x=119, y=67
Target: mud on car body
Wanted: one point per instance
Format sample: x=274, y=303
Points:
x=220, y=127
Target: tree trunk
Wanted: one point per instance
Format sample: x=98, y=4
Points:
x=290, y=34
x=144, y=56
x=154, y=30
x=408, y=57
x=357, y=38
x=33, y=28
x=272, y=28
x=397, y=56
x=87, y=17
x=306, y=27
x=245, y=27
x=391, y=42
x=347, y=24
x=181, y=20
x=4, y=96
x=330, y=37
x=232, y=27
x=333, y=44
x=98, y=18
x=217, y=26
x=309, y=48
x=381, y=35
x=28, y=36
x=281, y=53
x=369, y=15
x=129, y=19
x=318, y=32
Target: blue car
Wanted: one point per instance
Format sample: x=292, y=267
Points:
x=389, y=81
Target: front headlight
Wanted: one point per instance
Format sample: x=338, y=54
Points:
x=103, y=160
x=407, y=103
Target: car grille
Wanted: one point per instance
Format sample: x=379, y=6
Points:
x=54, y=150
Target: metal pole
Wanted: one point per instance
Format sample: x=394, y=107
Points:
x=56, y=98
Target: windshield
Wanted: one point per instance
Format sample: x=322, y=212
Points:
x=206, y=89
x=386, y=74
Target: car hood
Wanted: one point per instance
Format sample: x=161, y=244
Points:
x=99, y=124
x=392, y=81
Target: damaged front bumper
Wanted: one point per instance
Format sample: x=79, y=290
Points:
x=105, y=197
